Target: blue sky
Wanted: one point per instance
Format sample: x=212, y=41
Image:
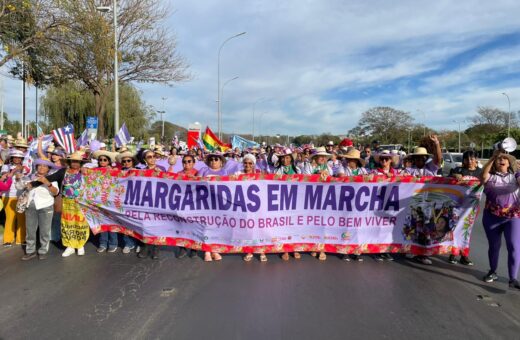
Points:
x=319, y=64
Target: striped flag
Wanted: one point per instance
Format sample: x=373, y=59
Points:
x=65, y=137
x=212, y=142
x=123, y=136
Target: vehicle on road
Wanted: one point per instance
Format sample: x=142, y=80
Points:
x=451, y=161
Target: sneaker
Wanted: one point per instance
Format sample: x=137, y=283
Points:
x=346, y=258
x=452, y=259
x=182, y=253
x=490, y=277
x=42, y=256
x=387, y=257
x=466, y=261
x=357, y=258
x=514, y=284
x=379, y=257
x=101, y=249
x=69, y=251
x=128, y=249
x=28, y=257
x=112, y=249
x=423, y=260
x=138, y=249
x=81, y=251
x=8, y=244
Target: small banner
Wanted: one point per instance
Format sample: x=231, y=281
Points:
x=273, y=213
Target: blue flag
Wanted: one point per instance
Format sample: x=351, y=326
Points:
x=242, y=143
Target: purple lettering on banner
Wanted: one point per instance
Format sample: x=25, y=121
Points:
x=239, y=199
x=224, y=197
x=213, y=196
x=330, y=199
x=173, y=199
x=202, y=197
x=133, y=194
x=313, y=196
x=360, y=206
x=272, y=196
x=188, y=199
x=393, y=199
x=147, y=195
x=346, y=194
x=161, y=191
x=377, y=197
x=252, y=196
x=288, y=197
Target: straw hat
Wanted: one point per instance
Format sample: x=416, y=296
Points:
x=125, y=154
x=353, y=153
x=320, y=151
x=20, y=143
x=387, y=154
x=16, y=153
x=76, y=156
x=99, y=153
x=512, y=161
x=215, y=153
x=420, y=151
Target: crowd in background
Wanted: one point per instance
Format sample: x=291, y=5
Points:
x=40, y=186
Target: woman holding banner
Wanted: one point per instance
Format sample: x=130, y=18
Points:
x=188, y=163
x=502, y=213
x=353, y=164
x=74, y=227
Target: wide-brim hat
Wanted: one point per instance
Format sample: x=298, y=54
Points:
x=387, y=154
x=215, y=153
x=512, y=161
x=420, y=151
x=285, y=152
x=320, y=151
x=353, y=153
x=125, y=154
x=76, y=156
x=20, y=143
x=58, y=152
x=99, y=153
x=50, y=164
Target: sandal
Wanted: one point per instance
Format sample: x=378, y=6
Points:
x=322, y=256
x=263, y=258
x=297, y=255
x=285, y=256
x=248, y=257
x=217, y=257
x=207, y=257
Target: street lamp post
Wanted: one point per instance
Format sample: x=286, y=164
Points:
x=509, y=119
x=221, y=96
x=260, y=124
x=116, y=63
x=162, y=117
x=218, y=80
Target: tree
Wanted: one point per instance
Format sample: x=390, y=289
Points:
x=73, y=103
x=27, y=24
x=147, y=52
x=386, y=124
x=494, y=119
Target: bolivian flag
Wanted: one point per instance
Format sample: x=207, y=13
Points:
x=212, y=143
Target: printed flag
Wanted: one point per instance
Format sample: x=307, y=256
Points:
x=83, y=139
x=212, y=142
x=242, y=143
x=123, y=136
x=65, y=137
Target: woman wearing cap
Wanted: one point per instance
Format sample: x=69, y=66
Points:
x=387, y=161
x=318, y=164
x=74, y=227
x=469, y=169
x=502, y=213
x=14, y=221
x=39, y=210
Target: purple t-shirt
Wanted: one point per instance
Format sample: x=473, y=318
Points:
x=430, y=169
x=207, y=172
x=503, y=195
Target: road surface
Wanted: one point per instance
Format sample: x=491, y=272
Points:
x=117, y=296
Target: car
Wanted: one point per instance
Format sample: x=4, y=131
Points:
x=451, y=161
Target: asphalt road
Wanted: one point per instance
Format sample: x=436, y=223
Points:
x=117, y=296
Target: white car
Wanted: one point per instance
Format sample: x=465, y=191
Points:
x=451, y=161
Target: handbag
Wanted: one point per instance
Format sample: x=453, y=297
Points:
x=22, y=202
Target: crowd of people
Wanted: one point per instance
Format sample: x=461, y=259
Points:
x=39, y=189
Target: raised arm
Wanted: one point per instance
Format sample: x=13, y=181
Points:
x=487, y=167
x=41, y=154
x=437, y=153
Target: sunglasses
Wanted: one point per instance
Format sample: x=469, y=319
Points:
x=213, y=159
x=187, y=161
x=102, y=159
x=126, y=161
x=150, y=156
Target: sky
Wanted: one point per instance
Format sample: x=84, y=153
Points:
x=314, y=67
